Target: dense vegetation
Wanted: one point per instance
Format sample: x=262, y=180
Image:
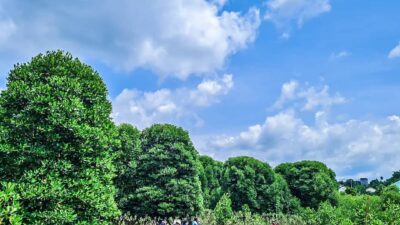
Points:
x=63, y=161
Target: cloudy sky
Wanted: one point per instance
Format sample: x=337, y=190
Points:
x=280, y=80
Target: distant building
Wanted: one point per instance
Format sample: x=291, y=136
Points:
x=364, y=181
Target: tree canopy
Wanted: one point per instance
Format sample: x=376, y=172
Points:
x=253, y=183
x=168, y=174
x=56, y=139
x=211, y=177
x=311, y=182
x=127, y=151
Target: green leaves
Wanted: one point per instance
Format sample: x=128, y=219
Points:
x=168, y=181
x=10, y=209
x=310, y=181
x=223, y=210
x=253, y=183
x=57, y=139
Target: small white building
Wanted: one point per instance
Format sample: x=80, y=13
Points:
x=370, y=190
x=342, y=189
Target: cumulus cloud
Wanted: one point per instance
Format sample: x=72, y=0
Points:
x=308, y=97
x=176, y=37
x=353, y=148
x=169, y=106
x=283, y=13
x=395, y=52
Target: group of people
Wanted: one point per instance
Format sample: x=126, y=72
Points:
x=178, y=222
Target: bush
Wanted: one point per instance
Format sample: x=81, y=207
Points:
x=10, y=210
x=223, y=210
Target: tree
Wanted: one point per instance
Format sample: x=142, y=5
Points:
x=210, y=177
x=310, y=181
x=126, y=165
x=168, y=182
x=281, y=199
x=394, y=178
x=253, y=183
x=223, y=210
x=56, y=139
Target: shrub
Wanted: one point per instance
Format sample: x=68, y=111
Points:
x=10, y=210
x=223, y=210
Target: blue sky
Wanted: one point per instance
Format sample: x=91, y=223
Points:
x=280, y=80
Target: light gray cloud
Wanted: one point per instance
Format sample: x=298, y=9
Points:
x=353, y=148
x=285, y=13
x=169, y=106
x=172, y=38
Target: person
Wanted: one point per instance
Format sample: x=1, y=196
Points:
x=184, y=222
x=195, y=222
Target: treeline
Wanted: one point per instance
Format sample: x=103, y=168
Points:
x=63, y=161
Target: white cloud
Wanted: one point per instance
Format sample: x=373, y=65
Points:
x=352, y=148
x=175, y=38
x=283, y=13
x=339, y=55
x=395, y=52
x=206, y=91
x=306, y=97
x=169, y=106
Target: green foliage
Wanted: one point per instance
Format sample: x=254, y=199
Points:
x=360, y=210
x=56, y=139
x=168, y=182
x=253, y=183
x=247, y=180
x=391, y=214
x=211, y=174
x=310, y=181
x=394, y=178
x=281, y=199
x=391, y=194
x=10, y=210
x=126, y=165
x=223, y=210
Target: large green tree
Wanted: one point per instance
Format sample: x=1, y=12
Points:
x=211, y=176
x=253, y=183
x=168, y=174
x=56, y=139
x=128, y=151
x=310, y=181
